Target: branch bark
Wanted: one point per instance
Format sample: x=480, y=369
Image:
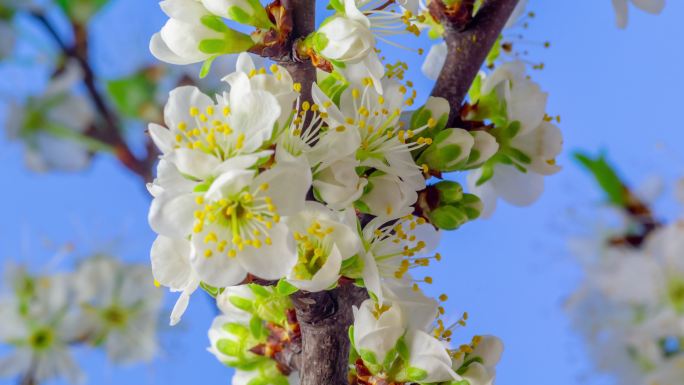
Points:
x=304, y=22
x=467, y=48
x=324, y=318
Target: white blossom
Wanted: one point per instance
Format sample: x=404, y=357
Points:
x=324, y=239
x=52, y=125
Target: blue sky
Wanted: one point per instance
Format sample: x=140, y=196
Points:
x=614, y=89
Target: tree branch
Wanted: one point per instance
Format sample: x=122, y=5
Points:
x=324, y=318
x=111, y=134
x=303, y=14
x=467, y=48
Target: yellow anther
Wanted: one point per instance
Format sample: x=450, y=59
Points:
x=208, y=253
x=199, y=199
x=443, y=297
x=297, y=87
x=194, y=111
x=210, y=110
x=232, y=253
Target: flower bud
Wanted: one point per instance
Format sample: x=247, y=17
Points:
x=449, y=150
x=449, y=192
x=249, y=12
x=448, y=217
x=339, y=185
x=343, y=39
x=435, y=109
x=192, y=35
x=452, y=215
x=484, y=147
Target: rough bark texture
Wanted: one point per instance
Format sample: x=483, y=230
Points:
x=324, y=319
x=304, y=22
x=467, y=46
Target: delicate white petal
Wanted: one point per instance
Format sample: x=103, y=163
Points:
x=171, y=262
x=172, y=214
x=434, y=61
x=273, y=261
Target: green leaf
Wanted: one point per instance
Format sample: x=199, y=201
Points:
x=605, y=175
x=131, y=94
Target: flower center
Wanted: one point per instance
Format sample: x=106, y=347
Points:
x=210, y=133
x=115, y=316
x=42, y=339
x=248, y=217
x=313, y=249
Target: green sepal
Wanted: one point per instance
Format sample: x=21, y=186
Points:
x=352, y=267
x=416, y=374
x=214, y=23
x=495, y=52
x=242, y=303
x=212, y=291
x=285, y=288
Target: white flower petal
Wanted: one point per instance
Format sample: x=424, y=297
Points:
x=273, y=261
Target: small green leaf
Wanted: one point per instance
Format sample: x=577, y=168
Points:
x=605, y=175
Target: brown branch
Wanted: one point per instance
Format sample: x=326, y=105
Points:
x=111, y=134
x=303, y=13
x=468, y=44
x=324, y=318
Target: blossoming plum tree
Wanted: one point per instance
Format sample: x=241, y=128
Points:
x=304, y=194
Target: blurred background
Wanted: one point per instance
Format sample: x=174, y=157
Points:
x=618, y=90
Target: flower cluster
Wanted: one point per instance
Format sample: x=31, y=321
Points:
x=268, y=189
x=630, y=306
x=104, y=303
